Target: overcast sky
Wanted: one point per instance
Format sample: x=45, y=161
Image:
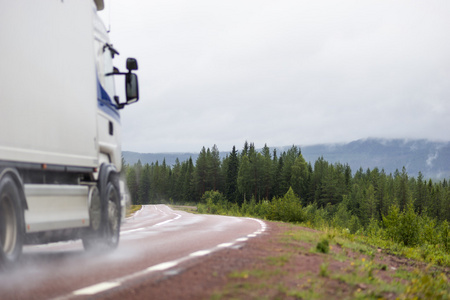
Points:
x=282, y=72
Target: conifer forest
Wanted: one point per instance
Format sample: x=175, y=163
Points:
x=398, y=208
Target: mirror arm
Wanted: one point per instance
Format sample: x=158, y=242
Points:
x=115, y=73
x=111, y=49
x=118, y=104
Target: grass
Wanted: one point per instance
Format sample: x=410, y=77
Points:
x=187, y=208
x=132, y=209
x=278, y=260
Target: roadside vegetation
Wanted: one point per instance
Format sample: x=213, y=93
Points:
x=402, y=233
x=396, y=213
x=132, y=209
x=308, y=264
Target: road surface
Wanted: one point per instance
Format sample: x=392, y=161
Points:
x=157, y=241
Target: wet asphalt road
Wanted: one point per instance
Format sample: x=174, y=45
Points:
x=155, y=242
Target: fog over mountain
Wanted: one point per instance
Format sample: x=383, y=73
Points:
x=429, y=157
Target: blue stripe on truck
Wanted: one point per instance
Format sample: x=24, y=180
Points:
x=105, y=104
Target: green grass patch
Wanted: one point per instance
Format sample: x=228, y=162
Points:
x=278, y=260
x=302, y=236
x=132, y=209
x=187, y=208
x=323, y=246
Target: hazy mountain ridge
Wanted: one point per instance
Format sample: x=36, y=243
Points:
x=429, y=157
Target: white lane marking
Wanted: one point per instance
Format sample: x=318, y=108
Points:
x=135, y=214
x=244, y=239
x=200, y=253
x=168, y=221
x=162, y=266
x=97, y=288
x=162, y=223
x=225, y=245
x=155, y=225
x=132, y=230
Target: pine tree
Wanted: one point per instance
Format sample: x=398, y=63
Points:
x=300, y=177
x=188, y=182
x=318, y=176
x=402, y=189
x=232, y=175
x=420, y=194
x=133, y=186
x=277, y=166
x=245, y=149
x=138, y=170
x=266, y=172
x=245, y=179
x=215, y=168
x=368, y=205
x=144, y=185
x=201, y=173
x=255, y=166
x=176, y=182
x=289, y=158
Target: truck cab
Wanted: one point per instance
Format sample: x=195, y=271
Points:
x=60, y=136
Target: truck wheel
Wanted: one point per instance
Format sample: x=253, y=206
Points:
x=104, y=231
x=112, y=229
x=11, y=222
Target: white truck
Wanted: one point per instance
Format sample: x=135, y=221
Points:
x=60, y=149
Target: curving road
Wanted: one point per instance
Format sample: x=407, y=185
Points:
x=155, y=242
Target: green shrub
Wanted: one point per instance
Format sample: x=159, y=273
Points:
x=444, y=230
x=216, y=203
x=429, y=233
x=354, y=224
x=391, y=223
x=286, y=209
x=315, y=216
x=324, y=270
x=403, y=227
x=323, y=246
x=342, y=216
x=428, y=287
x=373, y=229
x=409, y=227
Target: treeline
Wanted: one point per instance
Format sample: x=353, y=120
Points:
x=266, y=175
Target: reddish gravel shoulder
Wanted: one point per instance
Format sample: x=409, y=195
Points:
x=274, y=266
x=200, y=278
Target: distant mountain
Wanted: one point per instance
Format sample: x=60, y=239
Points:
x=431, y=158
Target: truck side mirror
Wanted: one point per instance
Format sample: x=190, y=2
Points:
x=131, y=83
x=132, y=64
x=131, y=87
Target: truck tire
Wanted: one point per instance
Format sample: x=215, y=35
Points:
x=106, y=235
x=112, y=226
x=11, y=222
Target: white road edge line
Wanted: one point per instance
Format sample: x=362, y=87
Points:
x=97, y=288
x=156, y=225
x=108, y=285
x=225, y=245
x=162, y=266
x=201, y=253
x=243, y=239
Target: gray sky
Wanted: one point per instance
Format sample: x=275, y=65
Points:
x=282, y=72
